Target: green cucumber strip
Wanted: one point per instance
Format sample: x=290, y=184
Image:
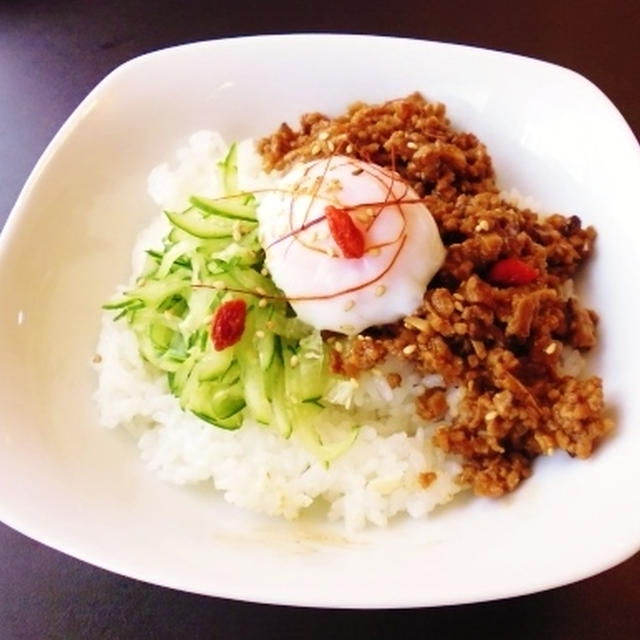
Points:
x=255, y=390
x=214, y=364
x=161, y=336
x=230, y=424
x=232, y=208
x=265, y=341
x=126, y=303
x=265, y=347
x=229, y=171
x=279, y=404
x=313, y=371
x=227, y=402
x=193, y=222
x=173, y=254
x=179, y=378
x=289, y=328
x=205, y=246
x=305, y=369
x=308, y=436
x=199, y=310
x=153, y=292
x=155, y=356
x=255, y=393
x=243, y=253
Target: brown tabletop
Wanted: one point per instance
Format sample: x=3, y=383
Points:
x=51, y=54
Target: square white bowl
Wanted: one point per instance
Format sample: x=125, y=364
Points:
x=83, y=490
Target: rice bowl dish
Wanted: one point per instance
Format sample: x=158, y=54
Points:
x=83, y=489
x=285, y=287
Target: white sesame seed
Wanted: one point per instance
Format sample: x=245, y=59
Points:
x=375, y=251
x=264, y=271
x=354, y=382
x=551, y=348
x=483, y=225
x=331, y=146
x=97, y=358
x=349, y=304
x=409, y=349
x=349, y=148
x=376, y=372
x=347, y=328
x=338, y=346
x=414, y=322
x=260, y=291
x=363, y=216
x=323, y=135
x=218, y=284
x=259, y=334
x=491, y=415
x=263, y=303
x=294, y=361
x=411, y=145
x=315, y=149
x=380, y=290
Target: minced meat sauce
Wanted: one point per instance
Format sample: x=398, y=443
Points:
x=504, y=339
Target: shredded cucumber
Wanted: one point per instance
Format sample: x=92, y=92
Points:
x=277, y=372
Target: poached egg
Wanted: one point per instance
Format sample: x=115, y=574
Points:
x=309, y=258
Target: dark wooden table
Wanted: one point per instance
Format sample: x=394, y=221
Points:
x=51, y=54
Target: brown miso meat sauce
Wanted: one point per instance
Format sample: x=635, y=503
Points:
x=502, y=343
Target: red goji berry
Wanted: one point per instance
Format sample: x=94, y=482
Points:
x=511, y=272
x=228, y=324
x=345, y=233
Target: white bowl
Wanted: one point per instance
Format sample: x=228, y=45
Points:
x=83, y=490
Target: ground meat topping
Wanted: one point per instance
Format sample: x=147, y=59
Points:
x=504, y=344
x=411, y=134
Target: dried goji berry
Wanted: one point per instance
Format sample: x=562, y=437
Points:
x=512, y=272
x=228, y=324
x=345, y=233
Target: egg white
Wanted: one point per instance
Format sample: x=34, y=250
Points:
x=326, y=289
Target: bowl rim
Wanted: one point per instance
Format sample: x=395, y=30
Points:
x=58, y=140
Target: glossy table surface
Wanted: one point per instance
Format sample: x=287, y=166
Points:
x=51, y=54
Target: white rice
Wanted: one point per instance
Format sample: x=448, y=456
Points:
x=254, y=467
